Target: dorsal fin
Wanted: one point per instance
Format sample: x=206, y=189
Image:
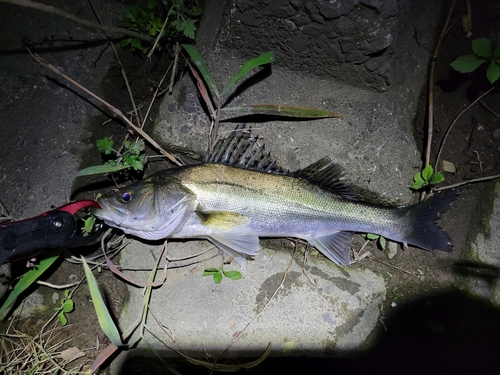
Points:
x=243, y=150
x=325, y=173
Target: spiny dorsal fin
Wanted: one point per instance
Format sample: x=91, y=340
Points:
x=325, y=173
x=243, y=150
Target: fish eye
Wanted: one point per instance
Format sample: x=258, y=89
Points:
x=126, y=196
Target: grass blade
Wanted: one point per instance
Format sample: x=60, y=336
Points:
x=281, y=110
x=105, y=321
x=28, y=279
x=265, y=58
x=202, y=67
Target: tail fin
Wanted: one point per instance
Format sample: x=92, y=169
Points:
x=424, y=232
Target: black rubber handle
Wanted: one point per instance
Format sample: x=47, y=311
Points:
x=54, y=229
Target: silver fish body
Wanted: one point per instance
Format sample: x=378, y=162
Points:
x=233, y=206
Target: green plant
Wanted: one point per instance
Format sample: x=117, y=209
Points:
x=218, y=273
x=427, y=177
x=215, y=99
x=67, y=305
x=133, y=155
x=375, y=237
x=483, y=52
x=144, y=19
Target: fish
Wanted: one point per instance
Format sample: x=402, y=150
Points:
x=238, y=195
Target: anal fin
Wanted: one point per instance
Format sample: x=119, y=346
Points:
x=335, y=246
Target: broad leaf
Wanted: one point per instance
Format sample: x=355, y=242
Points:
x=281, y=110
x=265, y=58
x=217, y=277
x=427, y=173
x=493, y=72
x=436, y=178
x=467, y=63
x=482, y=47
x=233, y=275
x=202, y=67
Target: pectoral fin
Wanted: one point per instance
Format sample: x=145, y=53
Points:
x=335, y=247
x=222, y=220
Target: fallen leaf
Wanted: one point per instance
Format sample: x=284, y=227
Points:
x=449, y=167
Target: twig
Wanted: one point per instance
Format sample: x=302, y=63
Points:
x=489, y=109
x=160, y=34
x=71, y=17
x=487, y=178
x=111, y=108
x=124, y=75
x=390, y=265
x=430, y=91
x=453, y=123
x=155, y=95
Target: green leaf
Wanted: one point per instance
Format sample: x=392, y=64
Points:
x=210, y=271
x=370, y=236
x=417, y=185
x=419, y=181
x=28, y=279
x=105, y=144
x=68, y=306
x=217, y=277
x=493, y=72
x=189, y=28
x=62, y=318
x=496, y=51
x=233, y=275
x=89, y=224
x=265, y=58
x=125, y=42
x=482, y=47
x=281, y=110
x=436, y=178
x=202, y=67
x=137, y=44
x=467, y=63
x=382, y=242
x=197, y=11
x=105, y=321
x=136, y=147
x=427, y=173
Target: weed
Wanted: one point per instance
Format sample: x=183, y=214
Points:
x=145, y=19
x=483, y=52
x=218, y=273
x=67, y=305
x=381, y=242
x=427, y=177
x=133, y=156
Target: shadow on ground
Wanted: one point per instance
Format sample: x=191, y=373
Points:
x=449, y=333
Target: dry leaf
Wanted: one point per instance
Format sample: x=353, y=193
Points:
x=70, y=354
x=449, y=167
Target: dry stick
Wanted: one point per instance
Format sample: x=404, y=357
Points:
x=113, y=109
x=124, y=75
x=94, y=25
x=155, y=95
x=454, y=121
x=487, y=178
x=430, y=93
x=158, y=38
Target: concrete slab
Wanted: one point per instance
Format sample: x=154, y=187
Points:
x=319, y=310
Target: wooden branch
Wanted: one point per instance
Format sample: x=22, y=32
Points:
x=71, y=17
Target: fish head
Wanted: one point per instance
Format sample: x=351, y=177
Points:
x=147, y=209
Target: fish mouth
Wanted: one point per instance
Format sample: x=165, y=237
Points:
x=110, y=214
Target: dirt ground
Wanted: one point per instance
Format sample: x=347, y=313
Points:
x=420, y=284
